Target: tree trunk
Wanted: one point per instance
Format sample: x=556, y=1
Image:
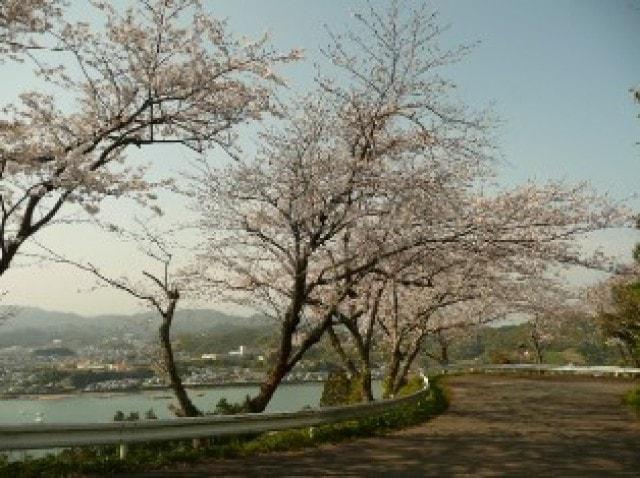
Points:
x=364, y=356
x=367, y=391
x=366, y=343
x=401, y=380
x=337, y=346
x=187, y=408
x=277, y=373
x=538, y=355
x=444, y=353
x=537, y=347
x=392, y=374
x=268, y=387
x=286, y=360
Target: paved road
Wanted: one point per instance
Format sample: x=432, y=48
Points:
x=496, y=426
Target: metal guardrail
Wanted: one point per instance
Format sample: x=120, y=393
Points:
x=33, y=436
x=595, y=371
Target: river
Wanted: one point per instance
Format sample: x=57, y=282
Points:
x=101, y=407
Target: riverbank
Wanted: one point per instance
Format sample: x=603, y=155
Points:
x=161, y=388
x=102, y=407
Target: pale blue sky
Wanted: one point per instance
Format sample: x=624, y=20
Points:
x=557, y=73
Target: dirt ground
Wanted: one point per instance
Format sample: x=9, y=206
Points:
x=495, y=426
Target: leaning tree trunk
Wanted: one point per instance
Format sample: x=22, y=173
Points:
x=276, y=374
x=186, y=406
x=287, y=358
x=363, y=348
x=392, y=374
x=401, y=379
x=337, y=346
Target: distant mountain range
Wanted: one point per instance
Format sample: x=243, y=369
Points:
x=30, y=326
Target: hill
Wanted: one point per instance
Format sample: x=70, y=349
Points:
x=30, y=326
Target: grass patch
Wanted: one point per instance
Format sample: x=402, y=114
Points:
x=149, y=456
x=632, y=399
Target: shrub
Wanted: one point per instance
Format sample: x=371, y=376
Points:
x=413, y=385
x=224, y=407
x=340, y=389
x=632, y=398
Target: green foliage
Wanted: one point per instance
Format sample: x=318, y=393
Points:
x=579, y=339
x=339, y=389
x=134, y=416
x=636, y=250
x=226, y=338
x=223, y=407
x=413, y=385
x=82, y=378
x=150, y=456
x=623, y=323
x=501, y=357
x=632, y=398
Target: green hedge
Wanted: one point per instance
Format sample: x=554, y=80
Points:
x=632, y=398
x=104, y=460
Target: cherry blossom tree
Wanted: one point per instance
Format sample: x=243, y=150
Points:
x=546, y=304
x=271, y=224
x=159, y=72
x=456, y=295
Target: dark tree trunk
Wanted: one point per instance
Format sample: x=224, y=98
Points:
x=363, y=348
x=392, y=374
x=186, y=406
x=364, y=354
x=444, y=353
x=365, y=363
x=290, y=323
x=337, y=346
x=367, y=391
x=406, y=367
x=285, y=361
x=537, y=346
x=276, y=374
x=366, y=343
x=287, y=358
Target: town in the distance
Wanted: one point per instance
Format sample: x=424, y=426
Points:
x=70, y=353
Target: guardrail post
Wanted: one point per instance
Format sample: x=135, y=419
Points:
x=123, y=450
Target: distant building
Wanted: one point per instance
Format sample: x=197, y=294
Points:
x=209, y=356
x=86, y=365
x=237, y=353
x=118, y=367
